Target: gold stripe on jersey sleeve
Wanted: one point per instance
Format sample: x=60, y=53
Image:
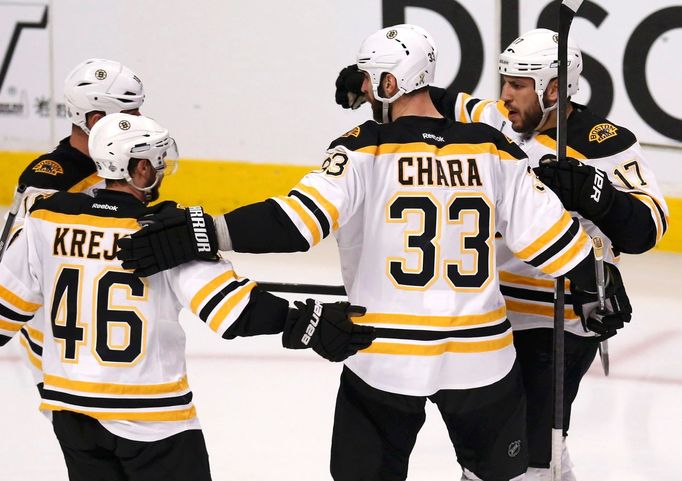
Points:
x=432, y=321
x=462, y=110
x=542, y=242
x=439, y=349
x=211, y=286
x=85, y=220
x=17, y=301
x=117, y=389
x=447, y=150
x=327, y=205
x=34, y=334
x=305, y=217
x=32, y=358
x=478, y=110
x=138, y=415
x=85, y=184
x=227, y=307
x=545, y=310
x=550, y=143
x=11, y=326
x=510, y=278
x=649, y=202
x=567, y=256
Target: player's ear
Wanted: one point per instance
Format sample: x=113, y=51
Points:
x=91, y=118
x=389, y=84
x=552, y=92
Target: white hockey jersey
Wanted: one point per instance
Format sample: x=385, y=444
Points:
x=590, y=139
x=113, y=348
x=415, y=205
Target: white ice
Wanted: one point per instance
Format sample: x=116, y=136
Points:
x=267, y=413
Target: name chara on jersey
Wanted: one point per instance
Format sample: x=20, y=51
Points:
x=430, y=171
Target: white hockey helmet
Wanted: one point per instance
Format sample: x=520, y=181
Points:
x=406, y=51
x=118, y=138
x=101, y=85
x=535, y=55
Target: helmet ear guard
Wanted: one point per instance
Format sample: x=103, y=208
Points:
x=101, y=85
x=535, y=55
x=405, y=51
x=118, y=138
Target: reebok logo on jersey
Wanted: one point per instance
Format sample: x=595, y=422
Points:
x=437, y=138
x=314, y=321
x=105, y=207
x=196, y=215
x=597, y=186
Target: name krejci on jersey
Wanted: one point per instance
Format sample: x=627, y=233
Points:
x=69, y=242
x=418, y=171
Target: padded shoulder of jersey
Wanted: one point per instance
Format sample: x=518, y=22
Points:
x=60, y=169
x=594, y=136
x=477, y=133
x=364, y=135
x=111, y=204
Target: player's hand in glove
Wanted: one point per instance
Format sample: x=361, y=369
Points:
x=617, y=310
x=170, y=236
x=327, y=328
x=581, y=188
x=349, y=93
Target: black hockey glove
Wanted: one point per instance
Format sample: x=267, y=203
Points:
x=326, y=328
x=169, y=237
x=617, y=310
x=581, y=188
x=349, y=88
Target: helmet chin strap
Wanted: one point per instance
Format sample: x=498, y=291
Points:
x=146, y=191
x=385, y=112
x=545, y=110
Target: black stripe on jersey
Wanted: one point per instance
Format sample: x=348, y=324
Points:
x=316, y=211
x=4, y=340
x=531, y=295
x=420, y=335
x=8, y=313
x=113, y=403
x=470, y=105
x=215, y=300
x=557, y=247
x=34, y=347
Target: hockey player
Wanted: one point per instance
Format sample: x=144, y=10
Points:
x=607, y=183
x=113, y=354
x=93, y=89
x=414, y=203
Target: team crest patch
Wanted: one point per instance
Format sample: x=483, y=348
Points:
x=601, y=132
x=48, y=166
x=352, y=133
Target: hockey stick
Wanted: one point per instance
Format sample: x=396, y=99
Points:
x=11, y=215
x=315, y=289
x=567, y=11
x=598, y=247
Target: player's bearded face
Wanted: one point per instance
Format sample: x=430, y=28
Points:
x=520, y=99
x=377, y=107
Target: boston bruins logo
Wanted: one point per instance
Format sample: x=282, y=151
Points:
x=124, y=125
x=352, y=133
x=100, y=74
x=391, y=34
x=601, y=132
x=49, y=167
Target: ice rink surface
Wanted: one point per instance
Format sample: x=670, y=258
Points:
x=267, y=413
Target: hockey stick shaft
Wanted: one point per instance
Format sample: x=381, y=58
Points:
x=11, y=216
x=598, y=248
x=567, y=11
